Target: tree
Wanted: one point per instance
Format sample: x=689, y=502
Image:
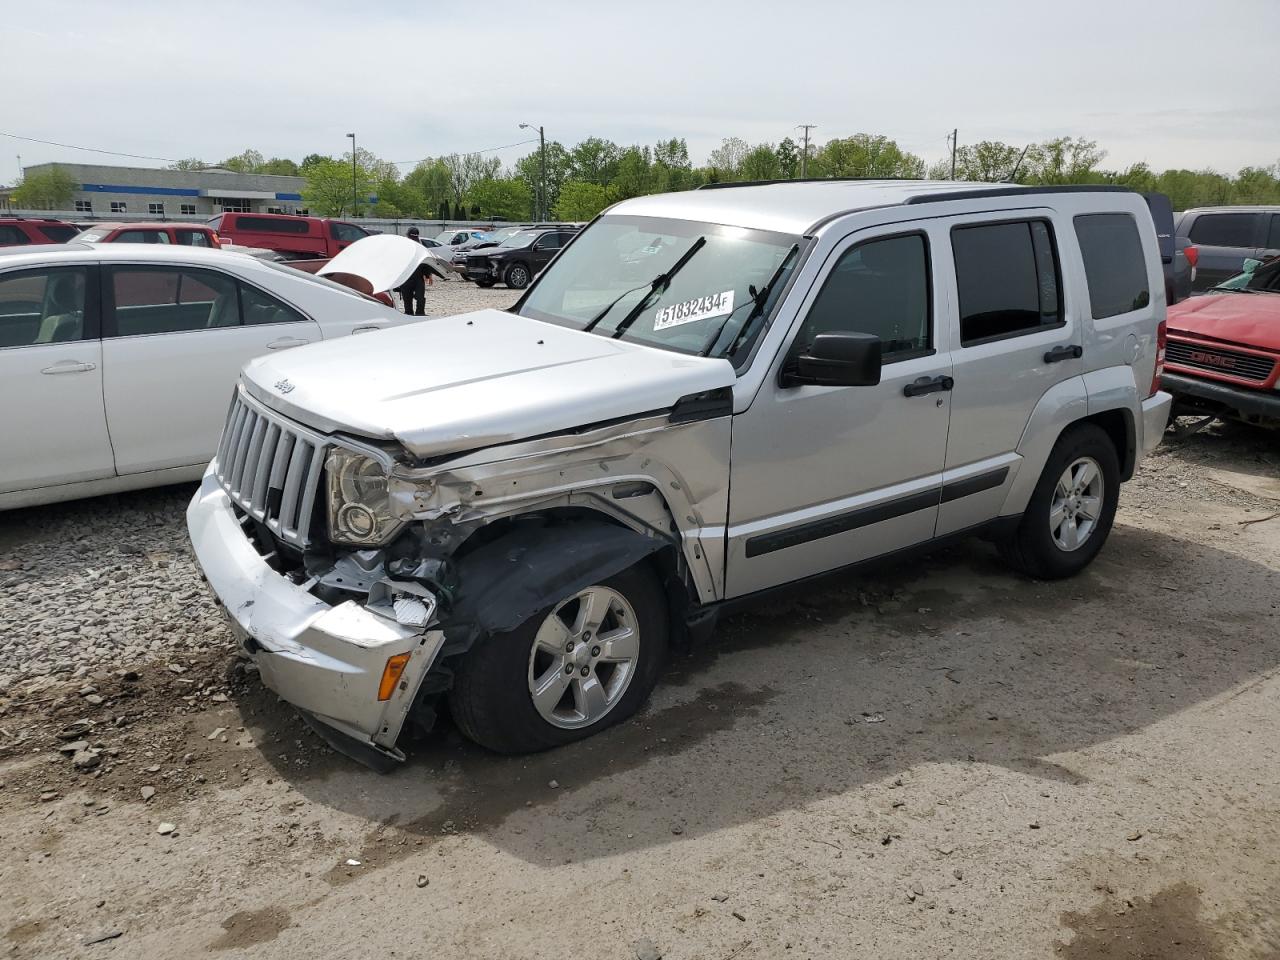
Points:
x=727, y=158
x=1062, y=160
x=866, y=155
x=529, y=169
x=44, y=190
x=467, y=168
x=788, y=154
x=190, y=163
x=635, y=174
x=760, y=163
x=506, y=198
x=280, y=167
x=310, y=160
x=430, y=179
x=248, y=162
x=580, y=201
x=329, y=189
x=594, y=161
x=989, y=161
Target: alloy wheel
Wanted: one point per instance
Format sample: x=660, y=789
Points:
x=1076, y=506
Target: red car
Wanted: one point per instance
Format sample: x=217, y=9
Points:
x=183, y=234
x=1223, y=355
x=301, y=238
x=16, y=231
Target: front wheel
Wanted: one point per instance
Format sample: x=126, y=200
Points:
x=484, y=284
x=1071, y=509
x=518, y=276
x=585, y=664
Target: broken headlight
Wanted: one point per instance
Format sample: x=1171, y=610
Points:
x=359, y=509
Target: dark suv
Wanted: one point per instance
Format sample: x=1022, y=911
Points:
x=16, y=231
x=1228, y=236
x=518, y=258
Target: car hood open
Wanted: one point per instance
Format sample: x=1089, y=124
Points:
x=452, y=384
x=1249, y=319
x=383, y=261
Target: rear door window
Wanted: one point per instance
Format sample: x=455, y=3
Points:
x=157, y=300
x=1224, y=230
x=1008, y=280
x=141, y=236
x=42, y=306
x=193, y=238
x=1113, y=263
x=11, y=236
x=58, y=232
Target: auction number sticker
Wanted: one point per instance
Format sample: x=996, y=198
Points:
x=691, y=311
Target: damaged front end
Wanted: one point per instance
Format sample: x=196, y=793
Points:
x=354, y=575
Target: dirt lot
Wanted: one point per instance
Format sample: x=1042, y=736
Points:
x=928, y=761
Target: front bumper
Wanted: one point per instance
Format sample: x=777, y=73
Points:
x=326, y=660
x=1155, y=417
x=1243, y=400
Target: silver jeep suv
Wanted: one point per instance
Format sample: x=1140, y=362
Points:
x=706, y=395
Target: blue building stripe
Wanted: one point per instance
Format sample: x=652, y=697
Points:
x=288, y=196
x=155, y=191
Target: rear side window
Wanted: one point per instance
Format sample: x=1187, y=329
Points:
x=270, y=225
x=1223, y=230
x=42, y=306
x=141, y=236
x=262, y=308
x=11, y=236
x=1113, y=263
x=193, y=238
x=879, y=287
x=155, y=300
x=1008, y=279
x=1273, y=235
x=346, y=232
x=58, y=233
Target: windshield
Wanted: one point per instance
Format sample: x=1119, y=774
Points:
x=616, y=275
x=521, y=238
x=1257, y=278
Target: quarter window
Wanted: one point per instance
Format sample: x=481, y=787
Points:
x=880, y=287
x=1008, y=280
x=41, y=306
x=1223, y=230
x=193, y=238
x=261, y=308
x=154, y=300
x=1113, y=263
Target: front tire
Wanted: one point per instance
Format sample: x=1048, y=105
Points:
x=568, y=672
x=1072, y=508
x=518, y=276
x=484, y=284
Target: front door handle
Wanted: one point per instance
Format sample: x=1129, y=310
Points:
x=284, y=343
x=927, y=385
x=1058, y=354
x=70, y=366
x=369, y=329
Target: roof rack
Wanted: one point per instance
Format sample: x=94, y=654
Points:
x=982, y=193
x=765, y=183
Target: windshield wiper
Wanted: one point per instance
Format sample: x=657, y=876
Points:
x=660, y=283
x=660, y=280
x=758, y=300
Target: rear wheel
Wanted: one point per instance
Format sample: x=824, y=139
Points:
x=518, y=276
x=568, y=672
x=1071, y=509
x=484, y=283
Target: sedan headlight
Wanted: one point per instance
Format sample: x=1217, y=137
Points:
x=359, y=508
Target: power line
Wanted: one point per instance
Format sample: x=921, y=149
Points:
x=72, y=146
x=505, y=146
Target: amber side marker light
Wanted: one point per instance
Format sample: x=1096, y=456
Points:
x=391, y=675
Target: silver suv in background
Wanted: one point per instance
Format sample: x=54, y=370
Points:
x=705, y=396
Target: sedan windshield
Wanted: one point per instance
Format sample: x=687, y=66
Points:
x=677, y=284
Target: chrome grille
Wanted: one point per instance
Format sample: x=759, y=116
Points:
x=1246, y=366
x=271, y=468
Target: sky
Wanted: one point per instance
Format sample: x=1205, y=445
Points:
x=1180, y=83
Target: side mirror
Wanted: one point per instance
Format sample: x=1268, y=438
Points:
x=837, y=359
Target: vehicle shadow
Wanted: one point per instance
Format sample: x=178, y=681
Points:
x=851, y=681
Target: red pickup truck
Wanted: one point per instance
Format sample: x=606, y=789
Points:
x=1223, y=355
x=293, y=237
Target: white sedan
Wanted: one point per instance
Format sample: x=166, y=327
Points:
x=117, y=361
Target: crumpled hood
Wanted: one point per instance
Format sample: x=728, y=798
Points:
x=1251, y=320
x=458, y=383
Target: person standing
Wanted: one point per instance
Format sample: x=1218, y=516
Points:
x=414, y=290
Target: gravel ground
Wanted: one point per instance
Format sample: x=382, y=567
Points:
x=935, y=760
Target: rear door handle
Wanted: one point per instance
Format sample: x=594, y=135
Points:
x=928, y=385
x=1072, y=352
x=284, y=343
x=70, y=366
x=369, y=329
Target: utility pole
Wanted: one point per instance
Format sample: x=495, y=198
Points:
x=542, y=212
x=955, y=138
x=355, y=205
x=804, y=155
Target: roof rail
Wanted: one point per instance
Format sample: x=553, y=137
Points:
x=983, y=193
x=766, y=183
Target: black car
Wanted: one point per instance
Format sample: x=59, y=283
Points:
x=518, y=258
x=1228, y=236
